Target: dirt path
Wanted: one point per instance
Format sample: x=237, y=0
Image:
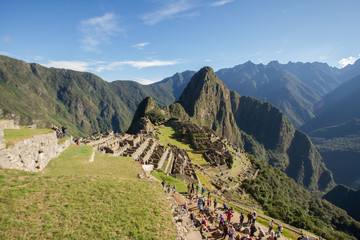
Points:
x=213, y=227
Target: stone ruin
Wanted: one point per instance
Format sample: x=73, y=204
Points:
x=183, y=168
x=146, y=149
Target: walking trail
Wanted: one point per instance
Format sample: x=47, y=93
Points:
x=213, y=227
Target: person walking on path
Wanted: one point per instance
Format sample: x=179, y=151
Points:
x=215, y=204
x=241, y=219
x=271, y=225
x=197, y=188
x=203, y=191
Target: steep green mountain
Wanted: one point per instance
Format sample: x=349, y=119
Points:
x=82, y=101
x=340, y=149
x=262, y=129
x=292, y=87
x=207, y=101
x=283, y=199
x=345, y=198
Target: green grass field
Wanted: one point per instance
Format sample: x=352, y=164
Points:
x=77, y=199
x=13, y=136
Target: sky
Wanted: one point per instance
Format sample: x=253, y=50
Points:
x=149, y=40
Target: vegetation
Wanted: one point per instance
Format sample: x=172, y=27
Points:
x=229, y=161
x=13, y=136
x=283, y=199
x=81, y=101
x=76, y=199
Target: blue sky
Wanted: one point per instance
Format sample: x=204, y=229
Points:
x=149, y=40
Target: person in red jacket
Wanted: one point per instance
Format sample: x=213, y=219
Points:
x=229, y=215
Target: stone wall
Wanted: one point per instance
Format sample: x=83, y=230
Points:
x=31, y=154
x=8, y=124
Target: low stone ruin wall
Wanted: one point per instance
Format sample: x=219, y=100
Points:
x=8, y=124
x=31, y=154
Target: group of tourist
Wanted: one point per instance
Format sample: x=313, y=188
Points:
x=167, y=187
x=60, y=131
x=222, y=217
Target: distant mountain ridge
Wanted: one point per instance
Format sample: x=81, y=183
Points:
x=293, y=87
x=336, y=132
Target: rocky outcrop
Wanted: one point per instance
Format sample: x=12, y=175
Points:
x=31, y=154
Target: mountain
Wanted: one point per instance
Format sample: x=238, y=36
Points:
x=82, y=101
x=345, y=198
x=292, y=87
x=338, y=106
x=336, y=132
x=175, y=84
x=207, y=101
x=259, y=127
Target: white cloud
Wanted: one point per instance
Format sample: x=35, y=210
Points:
x=140, y=46
x=101, y=66
x=98, y=30
x=346, y=61
x=73, y=65
x=144, y=64
x=146, y=81
x=171, y=9
x=220, y=3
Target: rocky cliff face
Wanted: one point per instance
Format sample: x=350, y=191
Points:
x=207, y=101
x=261, y=128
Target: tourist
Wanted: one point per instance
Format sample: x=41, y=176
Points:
x=222, y=221
x=208, y=202
x=163, y=184
x=241, y=218
x=252, y=230
x=208, y=193
x=231, y=232
x=278, y=231
x=249, y=217
x=174, y=188
x=168, y=188
x=261, y=233
x=197, y=188
x=271, y=225
x=226, y=230
x=188, y=188
x=225, y=207
x=215, y=204
x=203, y=190
x=272, y=237
x=185, y=206
x=229, y=215
x=63, y=129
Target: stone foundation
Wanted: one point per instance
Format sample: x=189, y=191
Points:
x=31, y=154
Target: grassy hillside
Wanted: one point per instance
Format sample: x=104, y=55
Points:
x=76, y=199
x=283, y=199
x=81, y=101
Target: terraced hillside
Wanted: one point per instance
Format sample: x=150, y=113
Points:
x=77, y=199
